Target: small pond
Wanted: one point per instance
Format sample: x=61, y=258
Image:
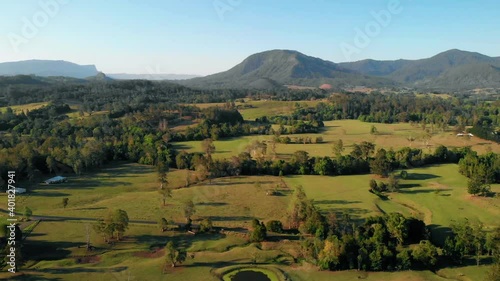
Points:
x=251, y=274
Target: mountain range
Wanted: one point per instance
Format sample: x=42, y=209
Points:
x=453, y=69
x=450, y=70
x=285, y=67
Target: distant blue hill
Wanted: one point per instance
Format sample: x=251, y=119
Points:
x=47, y=68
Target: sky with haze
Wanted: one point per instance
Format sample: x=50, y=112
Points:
x=208, y=36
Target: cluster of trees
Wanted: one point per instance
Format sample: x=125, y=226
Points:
x=259, y=231
x=392, y=185
x=469, y=238
x=258, y=159
x=57, y=144
x=119, y=94
x=437, y=112
x=391, y=108
x=482, y=170
x=35, y=119
x=380, y=243
x=486, y=131
x=293, y=126
x=123, y=94
x=113, y=226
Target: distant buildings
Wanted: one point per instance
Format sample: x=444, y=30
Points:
x=57, y=179
x=20, y=190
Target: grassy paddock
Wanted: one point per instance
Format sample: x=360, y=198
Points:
x=436, y=194
x=23, y=107
x=350, y=132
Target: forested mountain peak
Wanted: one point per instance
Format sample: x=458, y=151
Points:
x=285, y=67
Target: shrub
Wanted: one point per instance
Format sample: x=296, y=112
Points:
x=206, y=225
x=275, y=226
x=382, y=187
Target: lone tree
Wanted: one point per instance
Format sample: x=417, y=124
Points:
x=65, y=202
x=165, y=193
x=113, y=225
x=206, y=225
x=259, y=232
x=477, y=186
x=163, y=224
x=189, y=209
x=118, y=219
x=338, y=148
x=27, y=213
x=393, y=183
x=162, y=170
x=380, y=165
x=425, y=253
x=174, y=255
x=208, y=147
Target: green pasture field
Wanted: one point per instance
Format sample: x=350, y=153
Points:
x=23, y=107
x=350, y=132
x=436, y=194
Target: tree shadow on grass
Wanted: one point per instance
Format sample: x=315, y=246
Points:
x=92, y=208
x=213, y=204
x=182, y=239
x=180, y=146
x=217, y=264
x=126, y=168
x=49, y=250
x=48, y=194
x=409, y=185
x=32, y=277
x=81, y=184
x=219, y=183
x=82, y=270
x=356, y=214
x=427, y=190
x=328, y=202
x=37, y=235
x=423, y=176
x=230, y=218
x=439, y=233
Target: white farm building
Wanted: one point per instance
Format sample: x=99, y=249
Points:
x=57, y=179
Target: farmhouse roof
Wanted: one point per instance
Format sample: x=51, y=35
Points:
x=55, y=179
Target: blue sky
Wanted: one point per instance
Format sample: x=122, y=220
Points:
x=208, y=36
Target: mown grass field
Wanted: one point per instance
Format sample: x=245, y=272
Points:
x=93, y=194
x=252, y=109
x=350, y=132
x=436, y=194
x=23, y=107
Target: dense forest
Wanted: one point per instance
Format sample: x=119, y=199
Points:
x=138, y=114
